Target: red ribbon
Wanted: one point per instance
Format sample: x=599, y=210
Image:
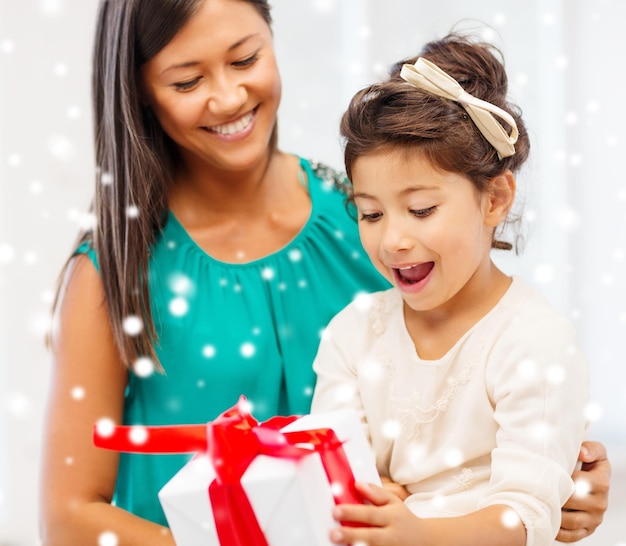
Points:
x=232, y=442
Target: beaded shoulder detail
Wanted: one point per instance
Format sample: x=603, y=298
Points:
x=332, y=177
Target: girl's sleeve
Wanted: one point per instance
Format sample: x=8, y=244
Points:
x=538, y=382
x=336, y=367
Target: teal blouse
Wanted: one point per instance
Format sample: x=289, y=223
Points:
x=231, y=329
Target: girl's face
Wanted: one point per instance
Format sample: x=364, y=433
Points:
x=215, y=88
x=428, y=232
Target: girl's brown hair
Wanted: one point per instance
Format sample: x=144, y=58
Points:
x=136, y=161
x=396, y=114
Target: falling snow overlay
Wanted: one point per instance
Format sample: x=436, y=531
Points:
x=561, y=58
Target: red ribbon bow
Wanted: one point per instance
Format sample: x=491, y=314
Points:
x=232, y=441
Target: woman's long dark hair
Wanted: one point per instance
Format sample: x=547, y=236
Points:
x=135, y=159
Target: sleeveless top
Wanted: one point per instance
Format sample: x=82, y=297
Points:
x=226, y=330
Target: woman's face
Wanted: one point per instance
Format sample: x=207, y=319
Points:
x=215, y=87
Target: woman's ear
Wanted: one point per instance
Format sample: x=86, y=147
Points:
x=500, y=197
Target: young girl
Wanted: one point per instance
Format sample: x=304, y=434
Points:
x=471, y=387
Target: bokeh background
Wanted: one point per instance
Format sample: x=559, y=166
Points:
x=565, y=60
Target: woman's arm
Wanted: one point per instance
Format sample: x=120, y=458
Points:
x=88, y=383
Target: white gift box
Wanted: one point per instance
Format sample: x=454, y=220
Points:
x=292, y=500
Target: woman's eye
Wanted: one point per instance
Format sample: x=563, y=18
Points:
x=247, y=61
x=186, y=86
x=370, y=217
x=422, y=213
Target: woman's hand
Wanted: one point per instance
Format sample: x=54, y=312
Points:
x=585, y=509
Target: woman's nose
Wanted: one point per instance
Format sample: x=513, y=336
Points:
x=227, y=96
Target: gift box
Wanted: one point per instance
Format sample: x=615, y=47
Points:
x=265, y=484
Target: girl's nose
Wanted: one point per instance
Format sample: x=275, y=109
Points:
x=396, y=237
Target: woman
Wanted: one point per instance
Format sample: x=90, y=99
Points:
x=215, y=262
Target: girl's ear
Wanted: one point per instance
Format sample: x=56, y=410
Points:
x=500, y=197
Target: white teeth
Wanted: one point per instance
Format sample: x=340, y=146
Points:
x=405, y=268
x=234, y=127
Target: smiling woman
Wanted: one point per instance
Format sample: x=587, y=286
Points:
x=228, y=240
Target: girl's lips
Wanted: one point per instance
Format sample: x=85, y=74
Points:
x=413, y=278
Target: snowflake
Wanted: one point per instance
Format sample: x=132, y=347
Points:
x=7, y=253
x=555, y=374
x=180, y=284
x=105, y=427
x=323, y=6
x=60, y=69
x=78, y=393
x=540, y=431
x=7, y=46
x=179, y=307
x=143, y=367
x=582, y=487
x=336, y=489
x=268, y=273
x=543, y=274
x=391, y=428
x=593, y=412
x=208, y=351
x=61, y=147
x=247, y=350
x=132, y=211
x=15, y=160
x=132, y=325
x=295, y=255
x=138, y=435
x=36, y=187
x=510, y=519
x=73, y=112
x=108, y=538
x=453, y=457
x=106, y=179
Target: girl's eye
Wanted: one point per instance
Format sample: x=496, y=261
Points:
x=371, y=217
x=186, y=86
x=422, y=213
x=247, y=61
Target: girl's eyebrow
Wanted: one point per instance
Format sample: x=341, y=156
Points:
x=194, y=63
x=404, y=192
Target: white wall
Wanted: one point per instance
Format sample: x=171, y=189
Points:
x=565, y=60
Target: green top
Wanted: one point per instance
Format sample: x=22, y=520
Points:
x=231, y=329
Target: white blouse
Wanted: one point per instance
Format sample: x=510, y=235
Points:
x=498, y=420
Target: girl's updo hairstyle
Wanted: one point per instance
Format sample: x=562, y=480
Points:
x=395, y=114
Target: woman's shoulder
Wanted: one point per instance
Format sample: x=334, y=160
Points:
x=85, y=248
x=329, y=177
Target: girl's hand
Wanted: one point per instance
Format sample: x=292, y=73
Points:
x=395, y=488
x=385, y=521
x=584, y=510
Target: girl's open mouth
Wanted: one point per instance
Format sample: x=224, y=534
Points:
x=412, y=275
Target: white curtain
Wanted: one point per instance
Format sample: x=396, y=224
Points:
x=565, y=61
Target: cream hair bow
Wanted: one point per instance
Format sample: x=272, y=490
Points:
x=426, y=75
